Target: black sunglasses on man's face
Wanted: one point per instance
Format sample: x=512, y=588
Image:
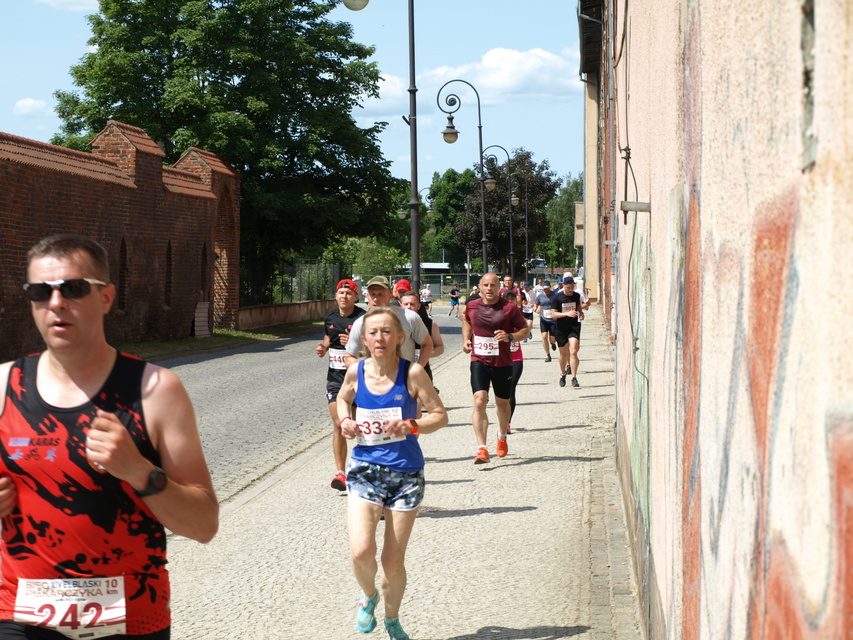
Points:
x=69, y=289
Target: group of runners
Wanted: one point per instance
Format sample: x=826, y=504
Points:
x=386, y=399
x=100, y=452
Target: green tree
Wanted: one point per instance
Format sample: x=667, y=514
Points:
x=541, y=186
x=269, y=85
x=448, y=194
x=366, y=256
x=559, y=245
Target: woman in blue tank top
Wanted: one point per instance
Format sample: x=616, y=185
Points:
x=386, y=469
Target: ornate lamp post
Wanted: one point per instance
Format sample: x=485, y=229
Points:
x=412, y=121
x=450, y=135
x=491, y=160
x=526, y=224
x=402, y=212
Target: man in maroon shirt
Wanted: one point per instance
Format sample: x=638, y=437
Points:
x=489, y=325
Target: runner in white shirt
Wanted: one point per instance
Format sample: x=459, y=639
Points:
x=528, y=302
x=426, y=299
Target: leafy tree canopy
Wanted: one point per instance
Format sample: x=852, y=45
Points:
x=535, y=185
x=559, y=245
x=367, y=257
x=448, y=194
x=269, y=85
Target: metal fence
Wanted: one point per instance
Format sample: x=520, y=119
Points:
x=305, y=280
x=439, y=283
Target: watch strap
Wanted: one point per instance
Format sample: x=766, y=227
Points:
x=157, y=481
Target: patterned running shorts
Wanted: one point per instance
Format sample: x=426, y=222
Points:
x=395, y=490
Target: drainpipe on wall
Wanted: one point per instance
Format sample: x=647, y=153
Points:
x=614, y=224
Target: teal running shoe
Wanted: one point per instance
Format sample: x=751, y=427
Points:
x=395, y=631
x=365, y=621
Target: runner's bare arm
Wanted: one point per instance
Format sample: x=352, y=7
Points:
x=467, y=334
x=437, y=341
x=426, y=351
x=188, y=506
x=420, y=387
x=323, y=347
x=346, y=395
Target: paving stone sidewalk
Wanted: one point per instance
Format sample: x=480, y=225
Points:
x=529, y=547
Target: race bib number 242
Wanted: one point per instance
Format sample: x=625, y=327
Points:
x=78, y=608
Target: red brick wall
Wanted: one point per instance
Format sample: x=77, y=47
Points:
x=122, y=193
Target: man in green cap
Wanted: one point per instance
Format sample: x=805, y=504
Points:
x=379, y=295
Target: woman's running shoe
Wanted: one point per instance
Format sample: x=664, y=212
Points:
x=395, y=631
x=365, y=621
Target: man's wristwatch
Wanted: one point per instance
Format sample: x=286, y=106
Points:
x=414, y=425
x=156, y=483
x=511, y=337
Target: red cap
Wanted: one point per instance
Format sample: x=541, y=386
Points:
x=403, y=285
x=346, y=283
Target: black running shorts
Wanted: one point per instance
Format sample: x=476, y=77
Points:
x=545, y=327
x=500, y=379
x=564, y=333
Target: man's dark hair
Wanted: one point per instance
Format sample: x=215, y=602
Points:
x=66, y=244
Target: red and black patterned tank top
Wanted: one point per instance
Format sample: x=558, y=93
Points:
x=73, y=521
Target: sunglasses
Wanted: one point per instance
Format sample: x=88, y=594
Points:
x=69, y=289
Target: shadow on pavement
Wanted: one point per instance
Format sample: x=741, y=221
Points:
x=560, y=428
x=514, y=463
x=439, y=512
x=534, y=633
x=517, y=463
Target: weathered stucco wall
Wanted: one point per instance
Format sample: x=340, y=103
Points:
x=734, y=394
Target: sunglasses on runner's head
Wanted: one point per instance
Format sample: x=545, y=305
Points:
x=69, y=289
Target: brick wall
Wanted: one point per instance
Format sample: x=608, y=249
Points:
x=172, y=232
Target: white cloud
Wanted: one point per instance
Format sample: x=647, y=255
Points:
x=507, y=74
x=71, y=5
x=31, y=108
x=501, y=77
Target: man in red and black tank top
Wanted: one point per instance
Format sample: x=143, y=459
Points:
x=99, y=453
x=490, y=324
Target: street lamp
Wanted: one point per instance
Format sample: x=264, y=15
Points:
x=492, y=159
x=430, y=212
x=526, y=224
x=450, y=135
x=412, y=121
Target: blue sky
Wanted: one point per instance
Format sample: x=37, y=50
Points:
x=521, y=56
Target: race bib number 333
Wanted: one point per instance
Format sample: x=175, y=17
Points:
x=78, y=608
x=371, y=425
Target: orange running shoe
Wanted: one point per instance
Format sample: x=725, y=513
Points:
x=482, y=456
x=503, y=447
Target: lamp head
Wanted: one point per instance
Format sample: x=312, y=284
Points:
x=490, y=183
x=355, y=5
x=402, y=213
x=514, y=199
x=450, y=134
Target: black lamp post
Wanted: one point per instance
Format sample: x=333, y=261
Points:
x=450, y=135
x=492, y=159
x=412, y=121
x=526, y=224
